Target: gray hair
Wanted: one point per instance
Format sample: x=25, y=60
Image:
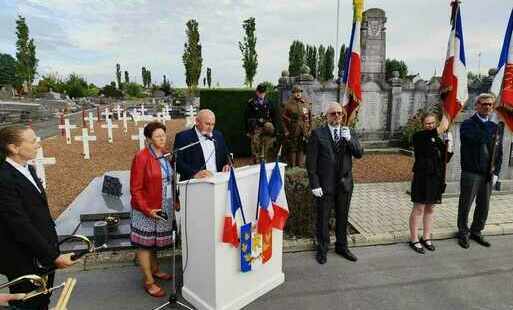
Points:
x=332, y=105
x=484, y=96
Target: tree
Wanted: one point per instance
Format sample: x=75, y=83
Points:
x=144, y=75
x=8, y=70
x=26, y=67
x=76, y=86
x=209, y=77
x=311, y=59
x=51, y=81
x=127, y=77
x=296, y=58
x=111, y=91
x=248, y=50
x=118, y=75
x=329, y=63
x=392, y=65
x=148, y=78
x=204, y=81
x=341, y=60
x=134, y=90
x=166, y=86
x=192, y=59
x=321, y=68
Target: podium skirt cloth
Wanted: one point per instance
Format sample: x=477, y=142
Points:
x=151, y=233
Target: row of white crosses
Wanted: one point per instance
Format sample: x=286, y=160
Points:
x=40, y=162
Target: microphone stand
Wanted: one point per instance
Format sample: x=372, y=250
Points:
x=173, y=301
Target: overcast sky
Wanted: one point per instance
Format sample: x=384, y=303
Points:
x=90, y=36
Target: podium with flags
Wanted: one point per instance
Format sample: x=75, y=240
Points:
x=218, y=222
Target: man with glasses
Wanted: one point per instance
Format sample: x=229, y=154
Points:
x=329, y=164
x=297, y=124
x=481, y=160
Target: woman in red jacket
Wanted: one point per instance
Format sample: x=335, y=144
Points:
x=152, y=201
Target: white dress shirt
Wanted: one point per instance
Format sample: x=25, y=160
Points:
x=209, y=151
x=23, y=170
x=483, y=119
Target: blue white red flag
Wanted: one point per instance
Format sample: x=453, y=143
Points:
x=265, y=210
x=233, y=206
x=278, y=199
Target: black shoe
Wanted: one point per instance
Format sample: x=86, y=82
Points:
x=430, y=247
x=463, y=242
x=321, y=258
x=345, y=253
x=480, y=239
x=417, y=249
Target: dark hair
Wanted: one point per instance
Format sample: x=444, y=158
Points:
x=151, y=127
x=10, y=135
x=261, y=88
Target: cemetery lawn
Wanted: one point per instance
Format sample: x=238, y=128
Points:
x=71, y=174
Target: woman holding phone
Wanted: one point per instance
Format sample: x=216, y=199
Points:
x=153, y=199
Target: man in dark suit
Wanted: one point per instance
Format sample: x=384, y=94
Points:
x=481, y=160
x=207, y=157
x=27, y=231
x=329, y=165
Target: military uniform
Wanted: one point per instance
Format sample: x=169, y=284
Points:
x=297, y=125
x=261, y=128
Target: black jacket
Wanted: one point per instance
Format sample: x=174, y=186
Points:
x=191, y=160
x=477, y=145
x=257, y=115
x=329, y=166
x=429, y=152
x=27, y=230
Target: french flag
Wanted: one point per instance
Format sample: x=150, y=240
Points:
x=233, y=205
x=502, y=84
x=454, y=85
x=265, y=210
x=352, y=67
x=278, y=199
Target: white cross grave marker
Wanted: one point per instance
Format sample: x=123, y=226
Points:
x=142, y=109
x=140, y=137
x=90, y=118
x=40, y=161
x=165, y=111
x=189, y=116
x=85, y=138
x=109, y=127
x=118, y=111
x=67, y=127
x=125, y=118
x=107, y=113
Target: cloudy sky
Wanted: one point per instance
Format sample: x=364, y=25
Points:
x=90, y=36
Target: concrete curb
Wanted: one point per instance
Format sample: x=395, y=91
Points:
x=118, y=258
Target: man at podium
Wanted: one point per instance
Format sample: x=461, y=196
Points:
x=207, y=153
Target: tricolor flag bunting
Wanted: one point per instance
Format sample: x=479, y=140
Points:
x=233, y=205
x=265, y=212
x=453, y=86
x=502, y=85
x=352, y=67
x=278, y=199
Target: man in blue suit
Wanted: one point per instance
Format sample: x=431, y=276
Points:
x=207, y=157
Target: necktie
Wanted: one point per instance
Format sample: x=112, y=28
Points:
x=336, y=136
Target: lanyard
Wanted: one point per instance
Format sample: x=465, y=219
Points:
x=166, y=166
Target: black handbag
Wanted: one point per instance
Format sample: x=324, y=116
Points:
x=111, y=186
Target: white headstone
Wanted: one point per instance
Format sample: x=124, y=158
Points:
x=40, y=161
x=67, y=127
x=165, y=111
x=85, y=138
x=142, y=109
x=109, y=127
x=189, y=116
x=90, y=118
x=140, y=137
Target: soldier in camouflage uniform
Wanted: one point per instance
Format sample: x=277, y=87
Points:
x=261, y=126
x=297, y=125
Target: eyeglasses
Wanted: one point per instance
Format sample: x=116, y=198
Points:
x=486, y=104
x=335, y=113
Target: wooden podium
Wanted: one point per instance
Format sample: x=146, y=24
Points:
x=212, y=278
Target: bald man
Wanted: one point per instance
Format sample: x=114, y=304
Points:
x=206, y=158
x=330, y=151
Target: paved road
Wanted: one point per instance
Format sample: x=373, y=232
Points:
x=385, y=277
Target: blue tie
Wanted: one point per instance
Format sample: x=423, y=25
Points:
x=336, y=137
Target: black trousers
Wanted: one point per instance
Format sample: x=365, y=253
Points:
x=478, y=187
x=340, y=202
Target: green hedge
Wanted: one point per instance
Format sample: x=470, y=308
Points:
x=229, y=106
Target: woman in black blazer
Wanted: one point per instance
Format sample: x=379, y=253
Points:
x=27, y=231
x=428, y=181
